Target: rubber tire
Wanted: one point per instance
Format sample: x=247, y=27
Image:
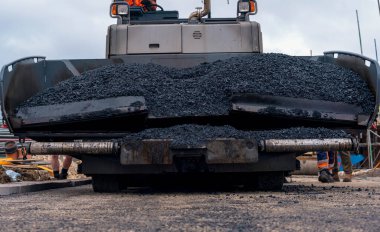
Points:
x=106, y=183
x=267, y=181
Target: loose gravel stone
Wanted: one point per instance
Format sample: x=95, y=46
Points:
x=189, y=135
x=206, y=89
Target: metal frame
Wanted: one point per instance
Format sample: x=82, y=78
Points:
x=5, y=69
x=370, y=73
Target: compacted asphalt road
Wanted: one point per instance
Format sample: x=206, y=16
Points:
x=303, y=205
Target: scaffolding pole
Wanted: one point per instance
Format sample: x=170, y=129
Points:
x=360, y=35
x=371, y=158
x=377, y=57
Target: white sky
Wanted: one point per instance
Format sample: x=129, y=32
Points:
x=77, y=28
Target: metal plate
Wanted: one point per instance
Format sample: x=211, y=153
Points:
x=216, y=151
x=221, y=151
x=84, y=110
x=295, y=107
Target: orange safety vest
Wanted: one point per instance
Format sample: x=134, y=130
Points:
x=134, y=2
x=138, y=3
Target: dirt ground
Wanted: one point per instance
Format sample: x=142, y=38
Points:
x=303, y=205
x=40, y=175
x=4, y=178
x=26, y=175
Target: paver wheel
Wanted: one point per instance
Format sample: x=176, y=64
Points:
x=106, y=183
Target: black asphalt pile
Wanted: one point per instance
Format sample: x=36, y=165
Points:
x=205, y=89
x=189, y=135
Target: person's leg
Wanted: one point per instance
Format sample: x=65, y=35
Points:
x=67, y=162
x=347, y=165
x=331, y=159
x=323, y=167
x=335, y=171
x=55, y=165
x=65, y=168
x=322, y=159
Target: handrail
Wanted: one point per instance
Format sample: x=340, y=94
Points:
x=365, y=58
x=39, y=58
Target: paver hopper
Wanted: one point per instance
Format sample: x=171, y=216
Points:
x=91, y=130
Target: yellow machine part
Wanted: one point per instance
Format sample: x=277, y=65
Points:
x=46, y=169
x=8, y=162
x=5, y=161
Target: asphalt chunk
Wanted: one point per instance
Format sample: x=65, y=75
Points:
x=206, y=89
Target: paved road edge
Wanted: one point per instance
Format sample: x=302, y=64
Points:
x=25, y=187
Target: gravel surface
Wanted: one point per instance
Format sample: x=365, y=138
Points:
x=304, y=205
x=195, y=134
x=205, y=89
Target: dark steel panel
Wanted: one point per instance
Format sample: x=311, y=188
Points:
x=288, y=107
x=78, y=111
x=111, y=165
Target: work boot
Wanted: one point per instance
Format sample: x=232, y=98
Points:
x=325, y=177
x=79, y=169
x=56, y=174
x=336, y=177
x=347, y=178
x=63, y=176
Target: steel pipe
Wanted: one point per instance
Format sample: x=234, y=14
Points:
x=305, y=145
x=272, y=146
x=199, y=14
x=365, y=145
x=73, y=148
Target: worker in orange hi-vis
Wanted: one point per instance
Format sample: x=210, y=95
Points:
x=13, y=152
x=328, y=166
x=149, y=5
